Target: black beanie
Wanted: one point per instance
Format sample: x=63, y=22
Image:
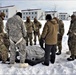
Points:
x=48, y=17
x=19, y=14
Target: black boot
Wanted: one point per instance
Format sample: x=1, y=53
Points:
x=26, y=44
x=34, y=43
x=58, y=53
x=46, y=64
x=71, y=58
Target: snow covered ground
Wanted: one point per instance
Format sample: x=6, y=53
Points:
x=60, y=67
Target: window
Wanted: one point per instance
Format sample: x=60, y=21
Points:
x=23, y=16
x=35, y=12
x=26, y=13
x=32, y=16
x=3, y=10
x=23, y=13
x=6, y=16
x=29, y=12
x=6, y=10
x=32, y=12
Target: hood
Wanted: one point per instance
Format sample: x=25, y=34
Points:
x=53, y=21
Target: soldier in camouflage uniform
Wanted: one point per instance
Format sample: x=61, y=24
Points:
x=16, y=31
x=72, y=38
x=3, y=49
x=37, y=30
x=69, y=37
x=30, y=28
x=5, y=37
x=60, y=35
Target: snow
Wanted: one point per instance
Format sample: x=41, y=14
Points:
x=60, y=67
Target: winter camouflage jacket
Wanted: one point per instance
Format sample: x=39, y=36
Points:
x=37, y=26
x=29, y=27
x=15, y=28
x=72, y=31
x=1, y=25
x=61, y=27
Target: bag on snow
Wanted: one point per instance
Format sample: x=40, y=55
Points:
x=34, y=52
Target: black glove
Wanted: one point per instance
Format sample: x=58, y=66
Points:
x=41, y=42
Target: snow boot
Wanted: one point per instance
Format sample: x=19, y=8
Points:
x=71, y=58
x=46, y=64
x=23, y=65
x=58, y=53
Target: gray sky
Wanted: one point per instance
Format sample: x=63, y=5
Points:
x=59, y=5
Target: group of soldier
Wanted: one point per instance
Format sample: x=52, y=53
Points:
x=32, y=27
x=20, y=33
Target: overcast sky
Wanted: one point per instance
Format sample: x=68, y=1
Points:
x=68, y=6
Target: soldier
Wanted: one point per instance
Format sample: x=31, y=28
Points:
x=60, y=35
x=16, y=31
x=37, y=29
x=49, y=34
x=3, y=49
x=30, y=28
x=5, y=37
x=72, y=35
x=69, y=37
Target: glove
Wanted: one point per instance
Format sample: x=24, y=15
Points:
x=41, y=42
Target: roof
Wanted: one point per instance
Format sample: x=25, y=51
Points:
x=49, y=11
x=7, y=6
x=74, y=12
x=62, y=13
x=30, y=9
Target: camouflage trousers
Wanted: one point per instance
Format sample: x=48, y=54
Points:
x=73, y=48
x=35, y=35
x=29, y=39
x=69, y=43
x=22, y=51
x=59, y=43
x=3, y=53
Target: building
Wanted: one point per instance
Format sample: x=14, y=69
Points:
x=63, y=16
x=9, y=11
x=52, y=13
x=74, y=12
x=32, y=13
